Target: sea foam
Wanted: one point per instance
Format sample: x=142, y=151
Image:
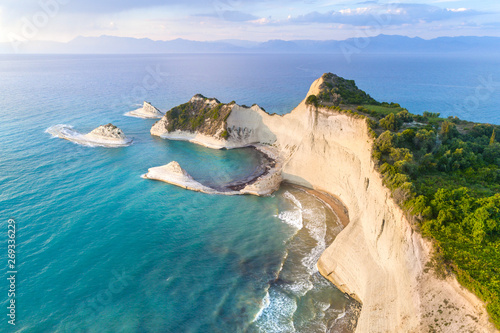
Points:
x=292, y=217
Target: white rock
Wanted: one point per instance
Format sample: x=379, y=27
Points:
x=172, y=173
x=147, y=111
x=104, y=136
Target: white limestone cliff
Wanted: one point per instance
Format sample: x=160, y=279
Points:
x=378, y=258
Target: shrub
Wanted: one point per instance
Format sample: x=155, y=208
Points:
x=312, y=100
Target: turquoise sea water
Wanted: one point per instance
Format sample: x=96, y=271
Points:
x=100, y=249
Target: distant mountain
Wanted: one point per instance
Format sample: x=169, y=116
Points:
x=128, y=45
x=378, y=44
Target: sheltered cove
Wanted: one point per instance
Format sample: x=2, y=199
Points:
x=378, y=258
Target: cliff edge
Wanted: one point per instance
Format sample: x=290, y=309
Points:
x=378, y=258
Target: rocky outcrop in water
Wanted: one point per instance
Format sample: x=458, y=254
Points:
x=147, y=111
x=172, y=173
x=199, y=115
x=108, y=131
x=103, y=136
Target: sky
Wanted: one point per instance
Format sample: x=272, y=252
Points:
x=254, y=20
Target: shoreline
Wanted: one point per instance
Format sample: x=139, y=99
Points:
x=337, y=207
x=377, y=259
x=269, y=164
x=332, y=201
x=261, y=183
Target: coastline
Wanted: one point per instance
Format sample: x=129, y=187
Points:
x=377, y=259
x=261, y=184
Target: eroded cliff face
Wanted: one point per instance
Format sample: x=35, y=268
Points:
x=377, y=259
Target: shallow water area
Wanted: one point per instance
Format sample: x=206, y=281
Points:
x=300, y=299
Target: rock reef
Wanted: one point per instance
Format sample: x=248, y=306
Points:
x=378, y=258
x=147, y=111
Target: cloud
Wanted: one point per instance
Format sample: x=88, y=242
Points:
x=389, y=14
x=89, y=6
x=116, y=6
x=101, y=6
x=231, y=15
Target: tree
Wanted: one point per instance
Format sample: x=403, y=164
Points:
x=405, y=116
x=448, y=130
x=389, y=122
x=383, y=144
x=478, y=231
x=419, y=207
x=425, y=139
x=492, y=139
x=312, y=100
x=491, y=153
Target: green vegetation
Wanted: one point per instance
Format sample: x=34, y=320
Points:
x=450, y=183
x=336, y=90
x=382, y=109
x=312, y=100
x=445, y=174
x=200, y=114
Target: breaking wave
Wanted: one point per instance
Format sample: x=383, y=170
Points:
x=300, y=299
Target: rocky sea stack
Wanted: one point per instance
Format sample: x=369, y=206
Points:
x=109, y=131
x=148, y=111
x=108, y=136
x=172, y=173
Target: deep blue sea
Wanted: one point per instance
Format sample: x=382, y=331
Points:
x=99, y=249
